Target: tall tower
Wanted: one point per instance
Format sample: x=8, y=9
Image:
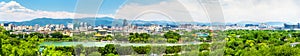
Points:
x=36, y=27
x=125, y=23
x=298, y=25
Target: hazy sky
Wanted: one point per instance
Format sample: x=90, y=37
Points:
x=178, y=10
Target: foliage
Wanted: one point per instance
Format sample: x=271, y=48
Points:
x=79, y=49
x=111, y=54
x=18, y=47
x=57, y=35
x=109, y=48
x=204, y=46
x=283, y=50
x=260, y=43
x=172, y=36
x=139, y=38
x=94, y=54
x=142, y=49
x=107, y=38
x=51, y=51
x=173, y=49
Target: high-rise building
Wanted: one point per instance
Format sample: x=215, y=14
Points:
x=9, y=27
x=263, y=25
x=298, y=25
x=61, y=26
x=287, y=26
x=36, y=27
x=70, y=26
x=5, y=24
x=251, y=25
x=125, y=23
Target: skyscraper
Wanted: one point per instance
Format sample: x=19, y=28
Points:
x=125, y=23
x=36, y=27
x=298, y=25
x=70, y=26
x=288, y=26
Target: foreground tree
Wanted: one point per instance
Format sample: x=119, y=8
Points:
x=57, y=35
x=172, y=36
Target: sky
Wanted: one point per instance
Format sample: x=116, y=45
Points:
x=109, y=6
x=173, y=10
x=24, y=10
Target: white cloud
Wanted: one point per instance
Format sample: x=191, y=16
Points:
x=163, y=10
x=13, y=11
x=196, y=10
x=261, y=10
x=179, y=10
x=233, y=10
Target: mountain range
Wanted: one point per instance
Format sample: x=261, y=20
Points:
x=108, y=21
x=45, y=21
x=3, y=21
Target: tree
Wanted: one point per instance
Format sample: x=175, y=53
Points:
x=119, y=37
x=204, y=46
x=173, y=49
x=94, y=54
x=109, y=48
x=172, y=35
x=89, y=50
x=172, y=40
x=139, y=38
x=2, y=29
x=1, y=36
x=203, y=54
x=79, y=49
x=18, y=47
x=57, y=35
x=51, y=51
x=108, y=37
x=260, y=43
x=39, y=35
x=142, y=49
x=111, y=54
x=191, y=53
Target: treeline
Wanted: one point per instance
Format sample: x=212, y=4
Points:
x=169, y=37
x=261, y=43
x=39, y=35
x=116, y=50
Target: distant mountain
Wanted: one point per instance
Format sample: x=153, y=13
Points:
x=141, y=22
x=275, y=23
x=247, y=22
x=3, y=21
x=108, y=21
x=45, y=21
x=99, y=21
x=279, y=24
